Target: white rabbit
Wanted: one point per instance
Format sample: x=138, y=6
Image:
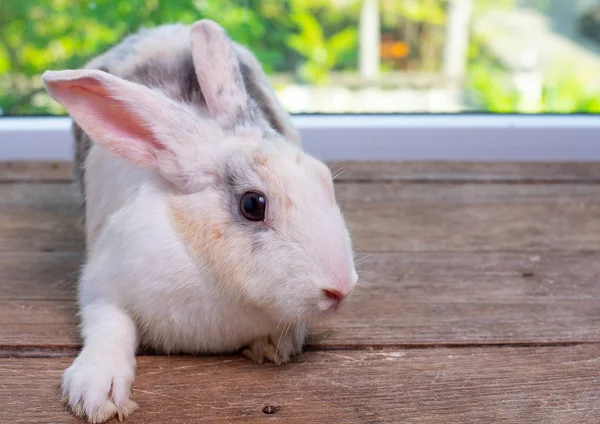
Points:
x=208, y=229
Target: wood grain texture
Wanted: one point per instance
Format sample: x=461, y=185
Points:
x=433, y=171
x=384, y=217
x=38, y=217
x=475, y=172
x=469, y=298
x=478, y=302
x=472, y=217
x=35, y=171
x=409, y=299
x=39, y=276
x=476, y=385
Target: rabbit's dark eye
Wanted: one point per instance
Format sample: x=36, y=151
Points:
x=253, y=205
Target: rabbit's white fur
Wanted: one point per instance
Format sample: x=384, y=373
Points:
x=171, y=264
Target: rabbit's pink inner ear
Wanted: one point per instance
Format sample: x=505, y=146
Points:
x=218, y=72
x=112, y=123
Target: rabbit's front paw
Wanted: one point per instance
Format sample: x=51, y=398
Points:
x=98, y=387
x=277, y=348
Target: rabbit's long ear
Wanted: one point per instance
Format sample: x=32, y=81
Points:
x=131, y=121
x=220, y=77
x=260, y=89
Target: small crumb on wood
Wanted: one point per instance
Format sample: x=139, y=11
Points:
x=270, y=409
x=527, y=274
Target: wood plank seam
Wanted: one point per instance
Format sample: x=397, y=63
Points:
x=46, y=351
x=382, y=172
x=538, y=385
x=350, y=181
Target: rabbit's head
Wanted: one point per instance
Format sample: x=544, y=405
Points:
x=257, y=215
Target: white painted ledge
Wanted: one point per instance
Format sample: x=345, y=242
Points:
x=364, y=137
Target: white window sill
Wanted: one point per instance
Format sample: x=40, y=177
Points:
x=363, y=137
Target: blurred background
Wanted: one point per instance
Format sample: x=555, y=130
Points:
x=341, y=56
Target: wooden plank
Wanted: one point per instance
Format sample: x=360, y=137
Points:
x=467, y=298
x=472, y=217
x=410, y=171
x=39, y=326
x=409, y=299
x=422, y=217
x=465, y=193
x=508, y=385
x=38, y=276
x=39, y=217
x=40, y=232
x=37, y=197
x=481, y=172
x=524, y=228
x=382, y=217
x=35, y=171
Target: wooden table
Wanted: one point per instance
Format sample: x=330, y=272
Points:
x=479, y=302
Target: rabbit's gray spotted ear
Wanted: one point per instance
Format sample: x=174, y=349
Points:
x=219, y=74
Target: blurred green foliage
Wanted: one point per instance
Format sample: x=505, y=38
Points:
x=322, y=53
x=488, y=83
x=565, y=92
x=491, y=88
x=305, y=39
